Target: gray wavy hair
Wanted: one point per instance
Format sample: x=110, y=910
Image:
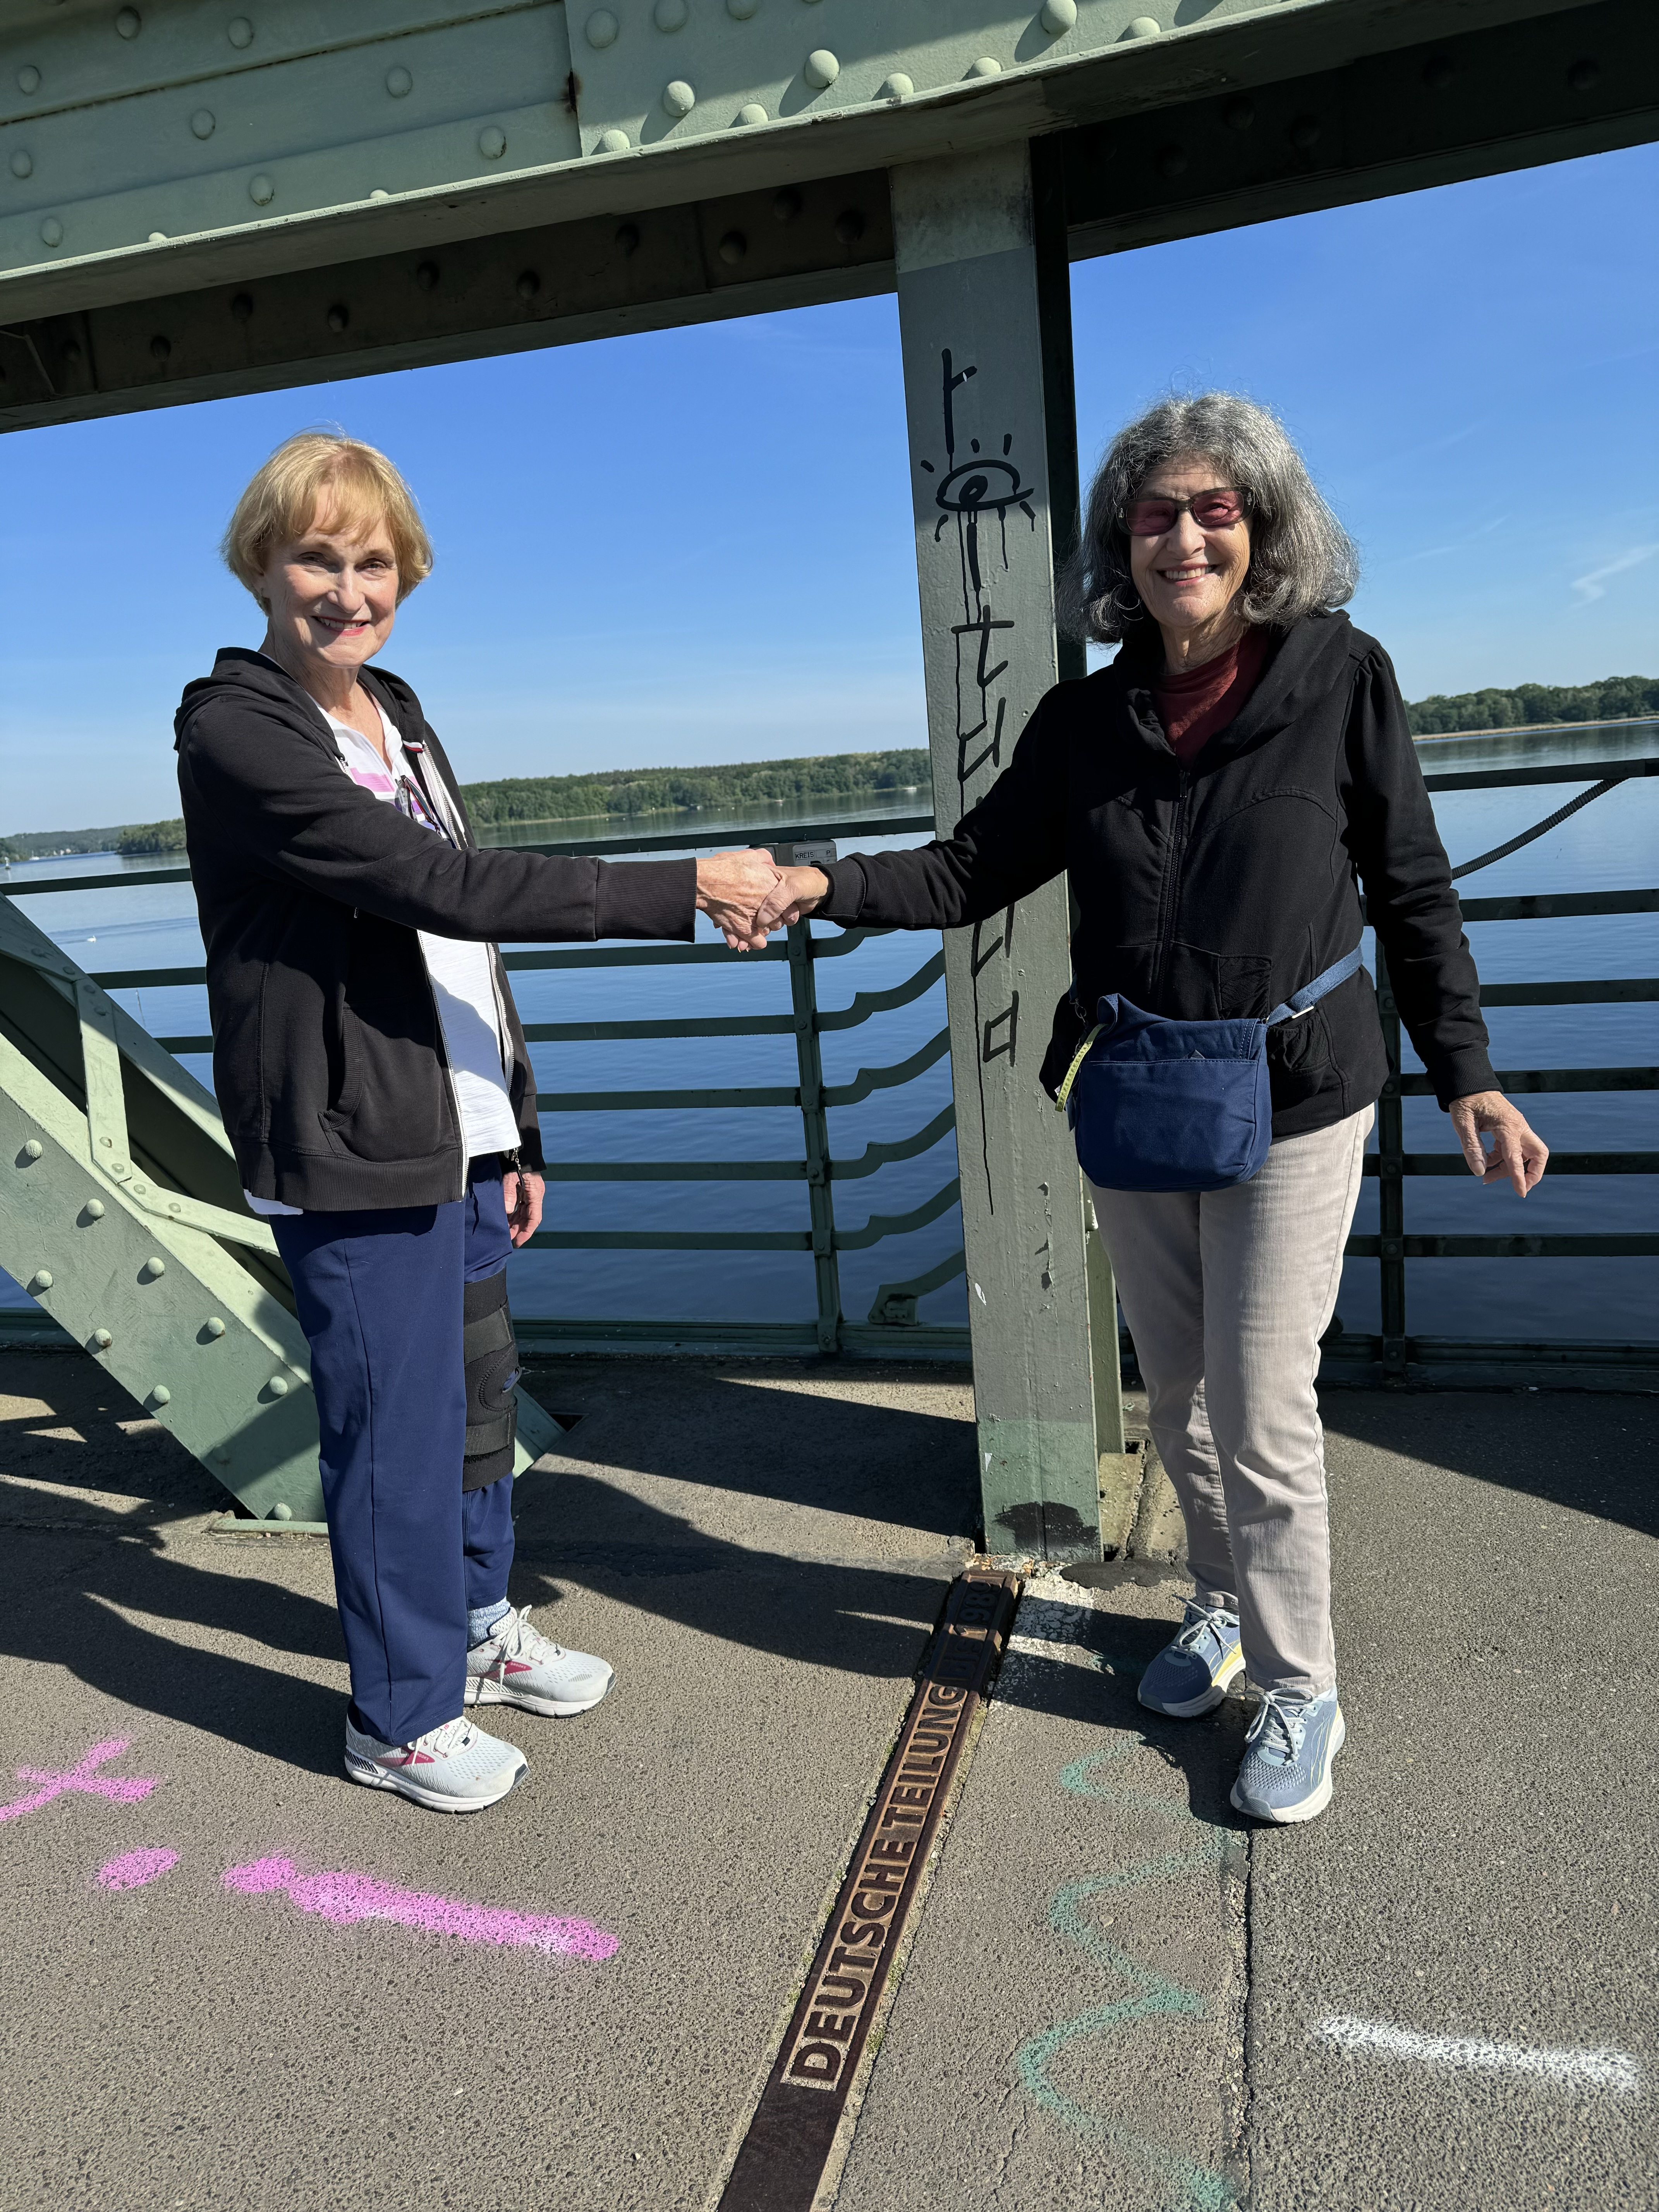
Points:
x=1301, y=558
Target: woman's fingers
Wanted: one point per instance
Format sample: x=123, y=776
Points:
x=1518, y=1155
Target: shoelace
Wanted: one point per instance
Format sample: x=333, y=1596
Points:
x=1284, y=1723
x=441, y=1742
x=1200, y=1618
x=522, y=1638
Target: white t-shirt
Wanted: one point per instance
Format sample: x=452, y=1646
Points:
x=462, y=982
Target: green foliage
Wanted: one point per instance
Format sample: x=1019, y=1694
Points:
x=151, y=837
x=1615, y=698
x=631, y=791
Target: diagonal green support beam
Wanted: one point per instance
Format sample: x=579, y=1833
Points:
x=121, y=1214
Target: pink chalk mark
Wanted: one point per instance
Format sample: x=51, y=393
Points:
x=82, y=1776
x=347, y=1897
x=134, y=1868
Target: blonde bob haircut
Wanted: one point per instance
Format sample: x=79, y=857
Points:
x=321, y=479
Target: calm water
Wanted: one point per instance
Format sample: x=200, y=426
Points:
x=1613, y=844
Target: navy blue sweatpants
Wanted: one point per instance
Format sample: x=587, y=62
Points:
x=379, y=1297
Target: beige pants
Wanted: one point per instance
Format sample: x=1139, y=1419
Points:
x=1227, y=1293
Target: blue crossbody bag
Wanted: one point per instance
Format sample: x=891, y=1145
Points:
x=1162, y=1105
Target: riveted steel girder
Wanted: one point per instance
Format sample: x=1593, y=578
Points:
x=121, y=1214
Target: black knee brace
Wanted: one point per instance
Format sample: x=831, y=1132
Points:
x=491, y=1354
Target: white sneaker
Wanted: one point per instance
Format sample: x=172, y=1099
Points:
x=519, y=1666
x=456, y=1768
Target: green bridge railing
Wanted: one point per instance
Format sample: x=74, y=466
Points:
x=891, y=1328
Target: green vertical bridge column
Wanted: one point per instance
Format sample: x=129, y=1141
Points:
x=981, y=310
x=121, y=1214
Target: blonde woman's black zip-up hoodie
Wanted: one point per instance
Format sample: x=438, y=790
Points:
x=1216, y=887
x=328, y=1052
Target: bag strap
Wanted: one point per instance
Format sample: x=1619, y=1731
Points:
x=1310, y=993
x=1077, y=1058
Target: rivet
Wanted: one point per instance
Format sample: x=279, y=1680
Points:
x=175, y=1206
x=492, y=142
x=896, y=86
x=426, y=275
x=1584, y=75
x=1058, y=16
x=1438, y=73
x=156, y=238
x=678, y=97
x=399, y=83
x=1304, y=133
x=32, y=1149
x=741, y=11
x=278, y=1386
x=154, y=1266
x=732, y=247
x=102, y=1339
x=223, y=1456
x=1144, y=26
x=669, y=15
x=529, y=284
x=240, y=32
x=261, y=191
x=849, y=226
x=338, y=316
x=215, y=1326
x=282, y=1511
x=241, y=307
x=378, y=194
x=93, y=1209
x=986, y=65
x=752, y=112
x=160, y=1395
x=119, y=1168
x=613, y=142
x=1171, y=161
x=601, y=28
x=22, y=164
x=160, y=348
x=202, y=123
x=821, y=70
x=128, y=23
x=51, y=232
x=28, y=79
x=786, y=206
x=40, y=1279
x=1239, y=114
x=627, y=238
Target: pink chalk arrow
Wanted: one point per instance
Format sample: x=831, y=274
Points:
x=83, y=1775
x=347, y=1896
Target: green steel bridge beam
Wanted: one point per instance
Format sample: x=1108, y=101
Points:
x=121, y=1214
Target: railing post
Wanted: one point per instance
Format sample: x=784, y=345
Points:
x=982, y=303
x=1391, y=1186
x=815, y=1120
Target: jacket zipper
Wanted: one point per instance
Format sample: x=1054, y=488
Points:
x=1169, y=891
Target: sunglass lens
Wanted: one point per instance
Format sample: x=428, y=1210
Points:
x=1149, y=517
x=1217, y=510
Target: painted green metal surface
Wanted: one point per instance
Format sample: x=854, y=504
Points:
x=121, y=1214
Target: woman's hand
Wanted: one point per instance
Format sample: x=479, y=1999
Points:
x=1517, y=1151
x=730, y=888
x=794, y=897
x=522, y=1191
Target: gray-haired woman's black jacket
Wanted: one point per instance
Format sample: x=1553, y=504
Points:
x=328, y=1053
x=1219, y=887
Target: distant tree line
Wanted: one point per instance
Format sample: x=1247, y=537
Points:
x=151, y=837
x=630, y=791
x=1614, y=699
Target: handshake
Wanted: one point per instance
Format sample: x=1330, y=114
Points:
x=747, y=895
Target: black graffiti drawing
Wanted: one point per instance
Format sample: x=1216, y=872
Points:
x=971, y=491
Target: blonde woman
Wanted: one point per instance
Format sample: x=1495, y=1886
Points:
x=375, y=1084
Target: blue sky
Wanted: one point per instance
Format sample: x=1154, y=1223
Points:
x=694, y=546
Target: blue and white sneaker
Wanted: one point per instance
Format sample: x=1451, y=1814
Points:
x=1190, y=1675
x=1286, y=1774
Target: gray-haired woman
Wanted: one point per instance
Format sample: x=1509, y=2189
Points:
x=1218, y=796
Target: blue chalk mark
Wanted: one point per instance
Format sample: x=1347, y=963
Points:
x=1196, y=2187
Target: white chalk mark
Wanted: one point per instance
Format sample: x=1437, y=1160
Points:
x=1603, y=2069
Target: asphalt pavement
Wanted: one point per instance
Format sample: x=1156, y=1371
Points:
x=1440, y=1996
